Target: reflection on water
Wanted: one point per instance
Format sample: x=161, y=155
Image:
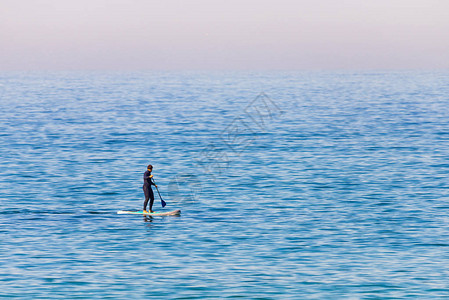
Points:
x=148, y=219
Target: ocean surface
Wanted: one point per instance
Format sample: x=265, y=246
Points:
x=292, y=185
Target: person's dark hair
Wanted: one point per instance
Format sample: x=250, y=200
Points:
x=150, y=167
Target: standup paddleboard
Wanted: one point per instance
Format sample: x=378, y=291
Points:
x=169, y=213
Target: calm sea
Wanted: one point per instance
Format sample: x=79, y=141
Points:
x=292, y=185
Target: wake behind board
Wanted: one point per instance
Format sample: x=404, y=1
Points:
x=169, y=213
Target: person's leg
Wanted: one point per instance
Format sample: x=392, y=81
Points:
x=151, y=195
x=147, y=197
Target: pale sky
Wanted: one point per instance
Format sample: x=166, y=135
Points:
x=223, y=34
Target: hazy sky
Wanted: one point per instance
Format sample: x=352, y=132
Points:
x=223, y=34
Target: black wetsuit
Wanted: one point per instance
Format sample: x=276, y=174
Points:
x=147, y=190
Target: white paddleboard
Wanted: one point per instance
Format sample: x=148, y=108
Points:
x=169, y=213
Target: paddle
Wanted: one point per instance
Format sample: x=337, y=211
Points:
x=162, y=201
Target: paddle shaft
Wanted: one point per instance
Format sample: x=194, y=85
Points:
x=162, y=201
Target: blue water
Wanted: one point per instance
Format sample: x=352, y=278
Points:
x=335, y=188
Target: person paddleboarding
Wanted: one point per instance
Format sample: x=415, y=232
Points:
x=147, y=190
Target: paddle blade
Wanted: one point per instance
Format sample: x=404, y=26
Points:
x=163, y=203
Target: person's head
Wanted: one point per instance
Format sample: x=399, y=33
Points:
x=150, y=168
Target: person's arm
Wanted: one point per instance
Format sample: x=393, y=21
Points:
x=147, y=176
